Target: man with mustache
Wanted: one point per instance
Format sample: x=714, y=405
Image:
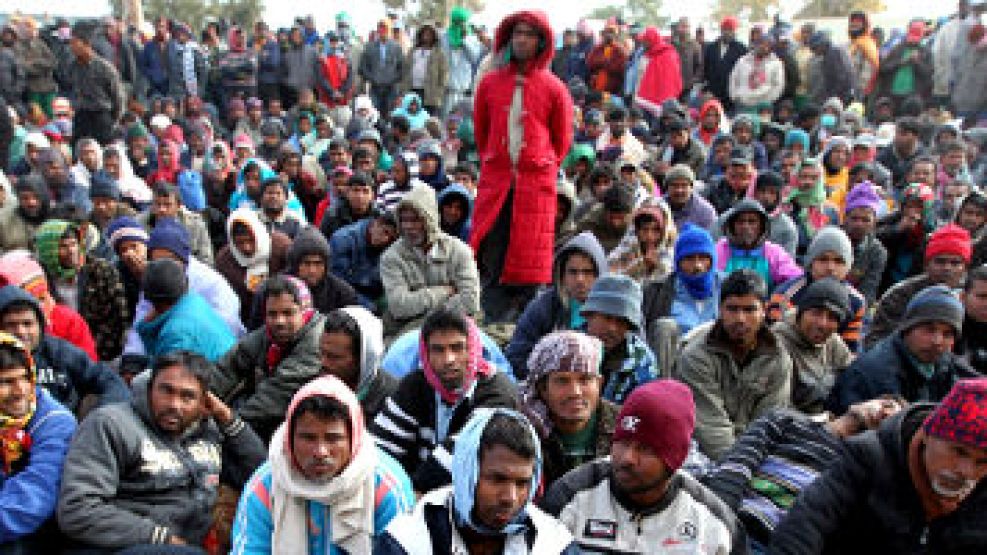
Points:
x=737, y=367
x=326, y=487
x=144, y=475
x=640, y=498
x=613, y=315
x=910, y=487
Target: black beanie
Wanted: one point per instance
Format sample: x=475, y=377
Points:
x=164, y=281
x=619, y=198
x=826, y=293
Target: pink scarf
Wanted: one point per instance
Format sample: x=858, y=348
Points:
x=476, y=367
x=758, y=74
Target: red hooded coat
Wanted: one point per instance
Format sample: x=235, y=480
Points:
x=662, y=77
x=547, y=119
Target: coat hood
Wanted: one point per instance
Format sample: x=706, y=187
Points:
x=262, y=237
x=421, y=199
x=371, y=346
x=309, y=241
x=567, y=191
x=11, y=294
x=265, y=170
x=451, y=192
x=747, y=205
x=656, y=44
x=538, y=20
x=584, y=243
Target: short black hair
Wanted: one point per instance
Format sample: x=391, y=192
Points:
x=361, y=152
x=909, y=124
x=466, y=168
x=401, y=123
x=339, y=321
x=509, y=431
x=922, y=159
x=769, y=180
x=361, y=179
x=744, y=282
x=165, y=189
x=11, y=357
x=952, y=146
x=974, y=275
x=339, y=143
x=324, y=408
x=280, y=285
x=20, y=305
x=193, y=363
x=444, y=318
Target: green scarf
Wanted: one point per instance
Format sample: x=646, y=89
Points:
x=815, y=196
x=46, y=240
x=458, y=26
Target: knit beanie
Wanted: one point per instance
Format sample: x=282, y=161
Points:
x=164, y=281
x=694, y=240
x=171, y=235
x=961, y=417
x=863, y=195
x=122, y=229
x=560, y=351
x=826, y=293
x=679, y=171
x=137, y=130
x=619, y=198
x=829, y=239
x=20, y=269
x=936, y=303
x=949, y=239
x=660, y=414
x=104, y=185
x=615, y=295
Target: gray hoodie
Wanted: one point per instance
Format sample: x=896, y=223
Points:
x=374, y=386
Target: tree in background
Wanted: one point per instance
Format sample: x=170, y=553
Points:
x=196, y=12
x=434, y=11
x=839, y=8
x=645, y=12
x=754, y=10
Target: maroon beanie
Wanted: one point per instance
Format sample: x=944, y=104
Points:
x=661, y=415
x=950, y=239
x=962, y=416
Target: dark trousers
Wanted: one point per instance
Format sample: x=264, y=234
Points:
x=95, y=124
x=383, y=97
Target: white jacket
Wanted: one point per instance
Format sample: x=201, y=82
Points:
x=768, y=93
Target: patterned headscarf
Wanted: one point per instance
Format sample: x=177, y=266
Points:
x=46, y=241
x=561, y=351
x=14, y=439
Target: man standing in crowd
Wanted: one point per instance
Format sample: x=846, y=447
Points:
x=381, y=66
x=719, y=59
x=521, y=148
x=98, y=102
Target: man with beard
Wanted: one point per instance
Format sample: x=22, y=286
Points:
x=273, y=212
x=736, y=367
x=19, y=225
x=640, y=498
x=910, y=487
x=489, y=507
x=326, y=487
x=728, y=189
x=719, y=59
x=745, y=245
x=63, y=189
x=869, y=255
x=145, y=473
x=686, y=205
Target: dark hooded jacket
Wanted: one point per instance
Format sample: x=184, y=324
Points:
x=462, y=228
x=63, y=369
x=551, y=309
x=127, y=483
x=18, y=227
x=356, y=261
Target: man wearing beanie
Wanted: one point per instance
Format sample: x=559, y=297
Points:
x=609, y=219
x=811, y=339
x=685, y=299
x=916, y=361
x=736, y=366
x=947, y=257
x=829, y=255
x=170, y=240
x=869, y=255
x=906, y=232
x=104, y=192
x=686, y=205
x=911, y=487
x=769, y=190
x=640, y=498
x=613, y=315
x=180, y=320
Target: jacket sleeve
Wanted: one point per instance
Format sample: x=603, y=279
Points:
x=561, y=124
x=886, y=316
x=732, y=475
x=28, y=498
x=395, y=429
x=821, y=509
x=482, y=114
x=232, y=371
x=252, y=526
x=91, y=476
x=535, y=323
x=402, y=302
x=465, y=278
x=783, y=266
x=272, y=395
x=714, y=428
x=243, y=452
x=93, y=377
x=776, y=80
x=201, y=243
x=872, y=274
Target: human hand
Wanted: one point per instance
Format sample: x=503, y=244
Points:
x=216, y=408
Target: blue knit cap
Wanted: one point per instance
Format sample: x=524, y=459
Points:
x=936, y=303
x=172, y=236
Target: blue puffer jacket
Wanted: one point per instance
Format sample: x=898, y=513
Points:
x=28, y=496
x=190, y=325
x=354, y=262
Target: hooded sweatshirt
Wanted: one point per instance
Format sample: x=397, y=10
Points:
x=766, y=258
x=284, y=512
x=127, y=482
x=417, y=119
x=246, y=273
x=461, y=229
x=628, y=257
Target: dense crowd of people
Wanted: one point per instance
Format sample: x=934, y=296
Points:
x=446, y=290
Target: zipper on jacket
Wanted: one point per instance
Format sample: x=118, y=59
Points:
x=639, y=519
x=923, y=539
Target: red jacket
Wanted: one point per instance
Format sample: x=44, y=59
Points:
x=67, y=324
x=547, y=120
x=662, y=77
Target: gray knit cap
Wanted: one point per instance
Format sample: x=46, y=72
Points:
x=829, y=239
x=936, y=303
x=680, y=171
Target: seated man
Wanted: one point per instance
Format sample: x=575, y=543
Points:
x=641, y=487
x=167, y=205
x=686, y=204
x=352, y=348
x=609, y=219
x=736, y=367
x=912, y=487
x=869, y=255
x=64, y=370
x=146, y=472
x=562, y=400
x=745, y=244
x=268, y=365
x=915, y=362
x=577, y=266
x=326, y=487
x=488, y=508
x=830, y=254
x=252, y=255
x=34, y=436
x=613, y=315
x=419, y=421
x=426, y=268
x=947, y=258
x=273, y=211
x=971, y=346
x=780, y=455
x=356, y=251
x=356, y=203
x=33, y=206
x=180, y=320
x=809, y=336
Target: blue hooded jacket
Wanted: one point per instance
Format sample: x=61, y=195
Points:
x=418, y=119
x=190, y=325
x=460, y=230
x=241, y=199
